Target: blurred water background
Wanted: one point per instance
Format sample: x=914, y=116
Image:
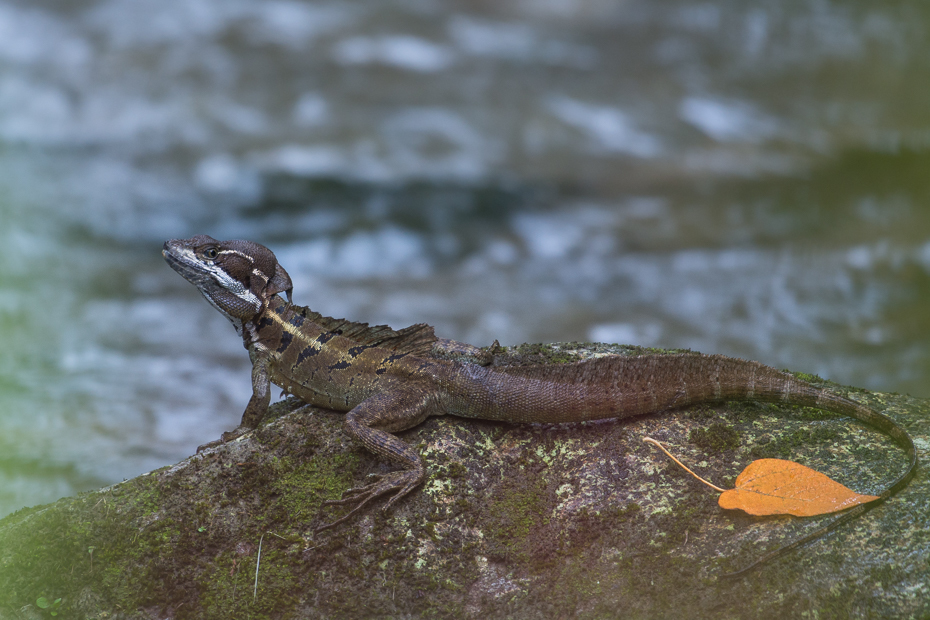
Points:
x=734, y=177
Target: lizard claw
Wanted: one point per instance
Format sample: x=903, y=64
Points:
x=399, y=482
x=226, y=437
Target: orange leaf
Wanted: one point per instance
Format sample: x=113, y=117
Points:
x=774, y=486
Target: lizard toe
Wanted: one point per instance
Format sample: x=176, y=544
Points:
x=226, y=437
x=398, y=482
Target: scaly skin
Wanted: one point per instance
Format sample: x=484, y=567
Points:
x=387, y=381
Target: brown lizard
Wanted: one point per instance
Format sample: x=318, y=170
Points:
x=388, y=380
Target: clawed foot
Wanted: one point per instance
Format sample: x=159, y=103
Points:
x=400, y=482
x=224, y=438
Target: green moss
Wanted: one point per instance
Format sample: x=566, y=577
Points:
x=305, y=483
x=567, y=352
x=702, y=412
x=787, y=444
x=457, y=471
x=542, y=354
x=715, y=438
x=516, y=515
x=228, y=585
x=97, y=538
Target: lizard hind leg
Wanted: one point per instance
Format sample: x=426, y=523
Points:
x=371, y=423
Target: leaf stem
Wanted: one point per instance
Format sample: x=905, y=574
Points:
x=682, y=465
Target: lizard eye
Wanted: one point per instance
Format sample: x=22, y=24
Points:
x=210, y=253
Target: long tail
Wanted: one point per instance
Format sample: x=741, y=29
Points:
x=620, y=386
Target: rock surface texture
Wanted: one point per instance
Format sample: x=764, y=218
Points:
x=523, y=521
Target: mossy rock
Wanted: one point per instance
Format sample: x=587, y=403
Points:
x=521, y=521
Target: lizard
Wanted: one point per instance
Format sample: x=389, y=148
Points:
x=387, y=381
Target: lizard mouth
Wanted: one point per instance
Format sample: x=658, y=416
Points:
x=189, y=271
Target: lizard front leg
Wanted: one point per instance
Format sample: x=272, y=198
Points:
x=371, y=423
x=257, y=407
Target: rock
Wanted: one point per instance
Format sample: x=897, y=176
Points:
x=522, y=521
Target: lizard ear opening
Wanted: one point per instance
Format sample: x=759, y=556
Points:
x=280, y=283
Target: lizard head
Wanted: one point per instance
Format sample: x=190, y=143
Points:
x=237, y=277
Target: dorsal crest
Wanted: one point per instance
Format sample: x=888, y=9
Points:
x=415, y=340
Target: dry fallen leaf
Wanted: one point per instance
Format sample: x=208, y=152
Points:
x=779, y=487
x=775, y=486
